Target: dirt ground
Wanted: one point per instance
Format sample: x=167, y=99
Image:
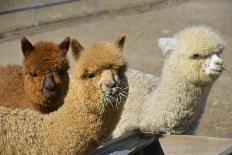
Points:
x=144, y=26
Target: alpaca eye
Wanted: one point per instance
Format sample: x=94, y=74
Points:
x=123, y=68
x=33, y=74
x=89, y=75
x=218, y=54
x=195, y=56
x=62, y=72
x=109, y=66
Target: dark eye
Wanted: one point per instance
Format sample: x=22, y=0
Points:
x=109, y=66
x=218, y=54
x=195, y=56
x=123, y=68
x=33, y=74
x=89, y=75
x=62, y=72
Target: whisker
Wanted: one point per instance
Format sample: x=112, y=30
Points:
x=112, y=98
x=107, y=100
x=124, y=92
x=124, y=95
x=120, y=98
x=110, y=102
x=122, y=88
x=116, y=103
x=118, y=95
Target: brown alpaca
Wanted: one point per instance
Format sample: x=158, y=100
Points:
x=42, y=82
x=91, y=110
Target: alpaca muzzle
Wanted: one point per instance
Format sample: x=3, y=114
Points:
x=49, y=89
x=214, y=65
x=107, y=81
x=114, y=91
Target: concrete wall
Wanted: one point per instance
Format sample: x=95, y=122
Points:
x=28, y=18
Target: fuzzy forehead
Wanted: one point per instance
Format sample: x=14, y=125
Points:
x=99, y=56
x=199, y=39
x=46, y=56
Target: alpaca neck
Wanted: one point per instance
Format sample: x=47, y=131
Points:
x=75, y=122
x=181, y=98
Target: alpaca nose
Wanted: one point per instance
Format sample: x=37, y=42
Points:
x=49, y=82
x=217, y=60
x=107, y=80
x=109, y=83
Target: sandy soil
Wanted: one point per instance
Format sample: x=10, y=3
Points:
x=144, y=26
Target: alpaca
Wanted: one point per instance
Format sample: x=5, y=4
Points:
x=42, y=82
x=191, y=67
x=91, y=110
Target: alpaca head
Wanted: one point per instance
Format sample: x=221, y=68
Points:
x=100, y=72
x=195, y=54
x=45, y=71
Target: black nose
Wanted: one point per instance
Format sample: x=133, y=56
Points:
x=49, y=82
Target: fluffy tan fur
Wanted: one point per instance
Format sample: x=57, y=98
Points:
x=22, y=87
x=85, y=119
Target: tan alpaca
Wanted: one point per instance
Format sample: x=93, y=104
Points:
x=92, y=107
x=190, y=69
x=42, y=82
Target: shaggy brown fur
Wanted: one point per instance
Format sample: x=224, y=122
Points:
x=42, y=83
x=11, y=81
x=90, y=113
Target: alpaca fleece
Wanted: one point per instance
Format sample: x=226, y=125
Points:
x=22, y=86
x=140, y=84
x=191, y=67
x=11, y=81
x=80, y=125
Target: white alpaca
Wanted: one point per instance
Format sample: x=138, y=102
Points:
x=191, y=67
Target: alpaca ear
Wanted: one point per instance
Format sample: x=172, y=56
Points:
x=120, y=41
x=167, y=45
x=64, y=45
x=26, y=46
x=76, y=48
